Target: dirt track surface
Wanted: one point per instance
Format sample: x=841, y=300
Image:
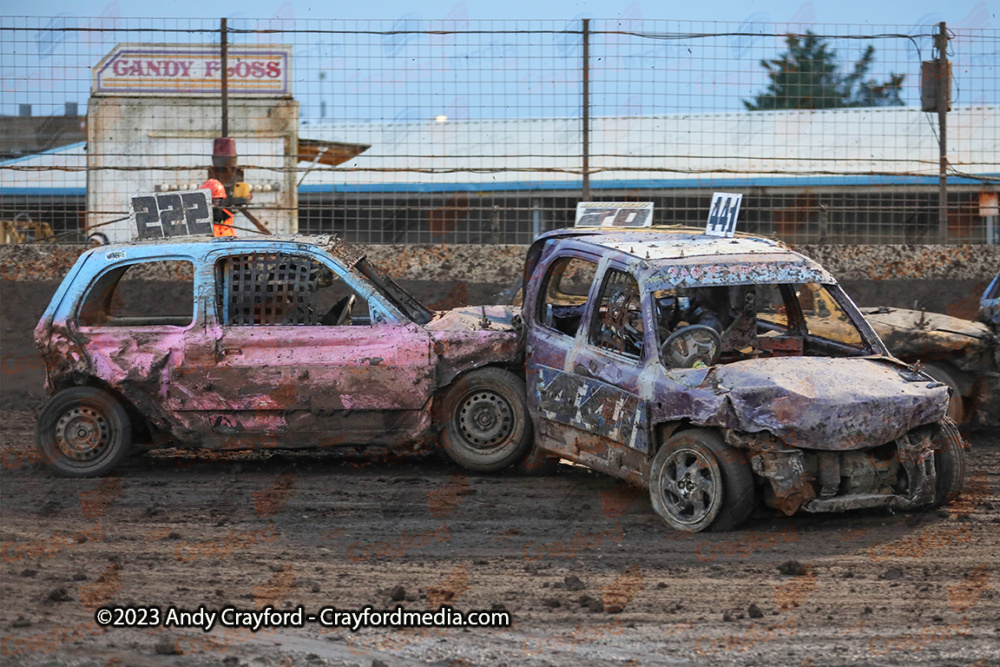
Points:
x=558, y=553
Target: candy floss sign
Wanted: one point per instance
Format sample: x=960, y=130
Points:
x=194, y=69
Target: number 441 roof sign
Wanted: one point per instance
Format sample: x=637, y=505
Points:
x=722, y=214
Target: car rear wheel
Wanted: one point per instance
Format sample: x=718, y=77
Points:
x=486, y=424
x=83, y=432
x=698, y=482
x=949, y=463
x=945, y=375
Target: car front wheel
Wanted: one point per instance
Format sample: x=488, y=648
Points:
x=83, y=432
x=698, y=482
x=487, y=426
x=949, y=463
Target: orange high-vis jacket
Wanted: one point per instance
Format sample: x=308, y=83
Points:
x=222, y=222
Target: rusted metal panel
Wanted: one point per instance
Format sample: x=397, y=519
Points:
x=913, y=335
x=811, y=402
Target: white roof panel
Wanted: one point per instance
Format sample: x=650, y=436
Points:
x=835, y=147
x=678, y=246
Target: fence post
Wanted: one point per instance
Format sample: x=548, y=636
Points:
x=943, y=102
x=586, y=110
x=224, y=43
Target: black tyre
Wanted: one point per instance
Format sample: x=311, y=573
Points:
x=950, y=461
x=486, y=425
x=946, y=375
x=698, y=482
x=83, y=432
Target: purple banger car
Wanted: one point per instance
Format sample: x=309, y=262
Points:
x=684, y=363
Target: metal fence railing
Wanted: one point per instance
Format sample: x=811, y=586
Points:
x=467, y=131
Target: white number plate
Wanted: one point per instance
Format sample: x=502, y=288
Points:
x=172, y=214
x=723, y=213
x=614, y=214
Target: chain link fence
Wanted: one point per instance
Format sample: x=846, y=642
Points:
x=467, y=131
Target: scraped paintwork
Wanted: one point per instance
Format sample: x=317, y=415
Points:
x=212, y=385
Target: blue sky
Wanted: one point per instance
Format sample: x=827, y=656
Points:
x=412, y=76
x=819, y=11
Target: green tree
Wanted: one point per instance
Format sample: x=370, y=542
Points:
x=807, y=77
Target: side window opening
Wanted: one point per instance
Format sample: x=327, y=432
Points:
x=158, y=293
x=618, y=323
x=567, y=286
x=825, y=317
x=772, y=312
x=267, y=289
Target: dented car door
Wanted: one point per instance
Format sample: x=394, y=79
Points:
x=287, y=356
x=579, y=378
x=133, y=341
x=611, y=361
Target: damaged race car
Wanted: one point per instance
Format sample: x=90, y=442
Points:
x=290, y=342
x=959, y=353
x=698, y=366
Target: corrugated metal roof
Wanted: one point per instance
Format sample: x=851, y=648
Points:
x=662, y=151
x=830, y=147
x=60, y=171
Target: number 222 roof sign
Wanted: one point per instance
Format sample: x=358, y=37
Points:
x=168, y=214
x=194, y=69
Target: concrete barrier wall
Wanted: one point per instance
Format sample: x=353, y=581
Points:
x=501, y=264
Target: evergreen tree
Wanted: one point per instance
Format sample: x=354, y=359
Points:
x=807, y=77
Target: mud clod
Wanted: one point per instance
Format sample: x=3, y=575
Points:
x=58, y=595
x=793, y=568
x=167, y=646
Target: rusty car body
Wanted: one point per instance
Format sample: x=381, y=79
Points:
x=957, y=352
x=268, y=342
x=687, y=364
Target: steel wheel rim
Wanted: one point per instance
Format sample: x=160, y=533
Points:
x=485, y=419
x=690, y=487
x=83, y=434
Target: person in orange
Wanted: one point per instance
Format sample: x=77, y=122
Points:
x=222, y=219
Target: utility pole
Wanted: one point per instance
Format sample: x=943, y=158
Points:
x=586, y=110
x=943, y=102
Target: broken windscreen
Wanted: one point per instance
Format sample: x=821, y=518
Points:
x=726, y=323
